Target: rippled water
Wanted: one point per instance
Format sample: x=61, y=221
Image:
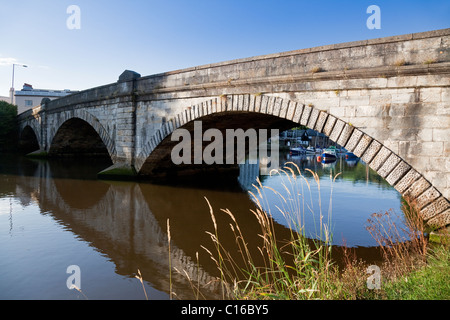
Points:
x=55, y=214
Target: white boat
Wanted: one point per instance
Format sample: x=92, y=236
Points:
x=296, y=151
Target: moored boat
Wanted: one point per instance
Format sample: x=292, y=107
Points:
x=296, y=151
x=350, y=156
x=329, y=154
x=310, y=150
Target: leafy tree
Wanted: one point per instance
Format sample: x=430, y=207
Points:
x=8, y=126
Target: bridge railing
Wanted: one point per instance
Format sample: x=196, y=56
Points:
x=337, y=59
x=29, y=113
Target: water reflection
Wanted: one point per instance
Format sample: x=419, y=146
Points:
x=126, y=223
x=347, y=194
x=117, y=219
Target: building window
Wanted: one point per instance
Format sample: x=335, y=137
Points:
x=28, y=103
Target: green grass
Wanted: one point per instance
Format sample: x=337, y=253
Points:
x=412, y=270
x=431, y=282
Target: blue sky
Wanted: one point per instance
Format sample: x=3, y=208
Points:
x=156, y=36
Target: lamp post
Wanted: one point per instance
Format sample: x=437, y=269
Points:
x=12, y=82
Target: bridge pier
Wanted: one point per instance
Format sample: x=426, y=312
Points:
x=38, y=154
x=119, y=171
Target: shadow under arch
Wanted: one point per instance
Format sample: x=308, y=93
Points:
x=77, y=137
x=256, y=109
x=159, y=164
x=28, y=140
x=87, y=118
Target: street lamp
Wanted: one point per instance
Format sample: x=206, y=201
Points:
x=12, y=82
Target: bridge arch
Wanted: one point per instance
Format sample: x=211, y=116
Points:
x=32, y=123
x=71, y=122
x=398, y=173
x=29, y=139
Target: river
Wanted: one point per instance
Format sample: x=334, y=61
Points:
x=55, y=214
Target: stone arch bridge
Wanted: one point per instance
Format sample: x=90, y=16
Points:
x=386, y=100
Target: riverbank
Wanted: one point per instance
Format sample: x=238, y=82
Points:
x=299, y=268
x=430, y=282
x=427, y=279
x=315, y=277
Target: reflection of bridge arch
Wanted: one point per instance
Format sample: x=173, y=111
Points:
x=119, y=223
x=397, y=172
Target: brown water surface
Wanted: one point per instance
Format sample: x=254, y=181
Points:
x=55, y=214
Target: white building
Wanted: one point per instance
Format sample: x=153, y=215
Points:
x=28, y=97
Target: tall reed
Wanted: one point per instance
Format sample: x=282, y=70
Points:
x=402, y=241
x=293, y=268
x=402, y=238
x=170, y=260
x=141, y=279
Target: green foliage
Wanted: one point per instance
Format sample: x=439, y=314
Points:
x=431, y=282
x=8, y=126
